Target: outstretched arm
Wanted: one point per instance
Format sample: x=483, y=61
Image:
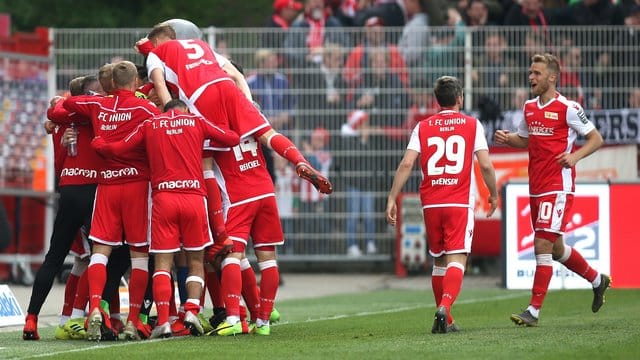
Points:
x=504, y=137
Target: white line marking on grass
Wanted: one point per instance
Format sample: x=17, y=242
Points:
x=335, y=317
x=406, y=308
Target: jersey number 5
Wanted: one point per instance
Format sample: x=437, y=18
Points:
x=452, y=150
x=194, y=50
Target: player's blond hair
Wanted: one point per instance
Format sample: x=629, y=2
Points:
x=550, y=60
x=162, y=29
x=105, y=77
x=124, y=74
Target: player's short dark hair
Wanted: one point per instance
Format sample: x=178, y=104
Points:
x=87, y=81
x=447, y=89
x=174, y=104
x=237, y=66
x=142, y=72
x=75, y=86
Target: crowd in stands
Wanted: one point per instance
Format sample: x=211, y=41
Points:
x=360, y=70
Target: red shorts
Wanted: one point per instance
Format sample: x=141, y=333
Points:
x=226, y=106
x=257, y=219
x=449, y=229
x=80, y=245
x=549, y=213
x=121, y=212
x=179, y=219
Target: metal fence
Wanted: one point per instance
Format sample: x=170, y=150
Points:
x=351, y=101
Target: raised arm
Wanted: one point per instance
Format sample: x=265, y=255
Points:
x=110, y=149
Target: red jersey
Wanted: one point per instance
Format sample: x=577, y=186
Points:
x=83, y=168
x=188, y=66
x=173, y=143
x=114, y=117
x=447, y=143
x=552, y=129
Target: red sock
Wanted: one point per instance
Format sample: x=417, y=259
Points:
x=451, y=284
x=82, y=292
x=70, y=294
x=215, y=290
x=579, y=265
x=214, y=207
x=231, y=285
x=250, y=289
x=283, y=146
x=269, y=281
x=138, y=282
x=541, y=281
x=162, y=294
x=97, y=275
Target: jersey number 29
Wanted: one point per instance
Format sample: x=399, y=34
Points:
x=452, y=149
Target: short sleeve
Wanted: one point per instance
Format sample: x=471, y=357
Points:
x=153, y=62
x=577, y=119
x=522, y=129
x=481, y=141
x=414, y=140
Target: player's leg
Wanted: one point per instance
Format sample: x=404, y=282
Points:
x=162, y=293
x=574, y=261
x=266, y=234
x=66, y=225
x=457, y=224
x=250, y=288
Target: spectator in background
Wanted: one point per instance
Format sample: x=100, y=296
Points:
x=374, y=36
x=270, y=89
x=626, y=54
x=570, y=77
x=532, y=14
x=416, y=36
x=322, y=89
x=447, y=48
x=314, y=206
x=381, y=94
x=284, y=12
x=309, y=32
x=286, y=188
x=344, y=10
x=491, y=76
x=393, y=12
x=633, y=101
x=477, y=14
x=515, y=115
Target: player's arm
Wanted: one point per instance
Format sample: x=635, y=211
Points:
x=399, y=180
x=505, y=137
x=577, y=120
x=489, y=177
x=220, y=137
x=60, y=114
x=110, y=149
x=238, y=78
x=156, y=76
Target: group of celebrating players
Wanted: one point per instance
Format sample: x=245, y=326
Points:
x=142, y=183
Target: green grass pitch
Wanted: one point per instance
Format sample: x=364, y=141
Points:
x=392, y=324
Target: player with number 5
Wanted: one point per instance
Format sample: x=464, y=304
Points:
x=446, y=144
x=212, y=87
x=550, y=127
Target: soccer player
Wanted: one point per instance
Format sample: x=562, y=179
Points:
x=76, y=186
x=203, y=79
x=116, y=212
x=549, y=130
x=445, y=144
x=173, y=142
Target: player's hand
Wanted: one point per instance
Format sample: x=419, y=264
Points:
x=70, y=136
x=54, y=100
x=501, y=137
x=49, y=126
x=493, y=205
x=567, y=160
x=143, y=46
x=392, y=210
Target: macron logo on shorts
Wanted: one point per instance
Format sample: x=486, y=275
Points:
x=179, y=184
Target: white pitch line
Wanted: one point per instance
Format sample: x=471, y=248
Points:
x=335, y=317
